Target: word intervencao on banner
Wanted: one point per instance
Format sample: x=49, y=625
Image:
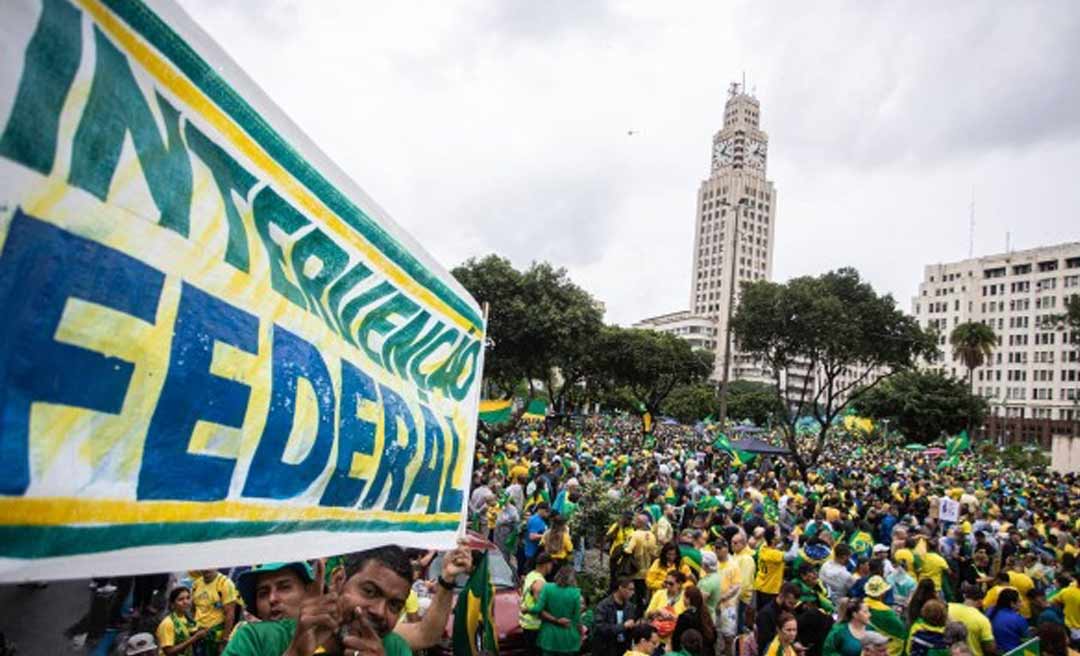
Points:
x=208, y=333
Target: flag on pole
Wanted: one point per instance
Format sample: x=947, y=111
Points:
x=474, y=615
x=958, y=444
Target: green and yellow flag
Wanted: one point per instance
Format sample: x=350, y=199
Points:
x=494, y=411
x=958, y=444
x=474, y=615
x=536, y=411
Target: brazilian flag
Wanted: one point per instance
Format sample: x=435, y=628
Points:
x=691, y=557
x=474, y=615
x=862, y=543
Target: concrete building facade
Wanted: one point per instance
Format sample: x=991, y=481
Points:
x=1034, y=372
x=734, y=226
x=699, y=330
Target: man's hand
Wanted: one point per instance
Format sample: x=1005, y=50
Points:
x=200, y=634
x=562, y=621
x=318, y=619
x=629, y=624
x=366, y=642
x=456, y=562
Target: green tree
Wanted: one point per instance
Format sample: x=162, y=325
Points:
x=540, y=325
x=757, y=402
x=972, y=344
x=690, y=403
x=834, y=326
x=922, y=404
x=649, y=364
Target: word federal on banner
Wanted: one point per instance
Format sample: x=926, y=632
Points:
x=210, y=335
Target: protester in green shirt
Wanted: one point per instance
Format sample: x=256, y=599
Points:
x=358, y=614
x=559, y=608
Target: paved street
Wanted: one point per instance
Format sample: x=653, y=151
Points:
x=37, y=627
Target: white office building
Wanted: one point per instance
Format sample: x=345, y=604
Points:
x=1034, y=372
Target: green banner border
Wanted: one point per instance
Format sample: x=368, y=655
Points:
x=59, y=541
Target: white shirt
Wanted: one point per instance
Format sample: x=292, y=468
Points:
x=837, y=580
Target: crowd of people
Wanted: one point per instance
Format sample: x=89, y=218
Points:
x=704, y=555
x=716, y=556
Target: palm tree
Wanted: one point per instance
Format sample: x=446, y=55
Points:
x=972, y=343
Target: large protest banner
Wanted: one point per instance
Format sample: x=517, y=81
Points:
x=214, y=347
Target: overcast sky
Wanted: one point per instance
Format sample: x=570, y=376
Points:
x=501, y=126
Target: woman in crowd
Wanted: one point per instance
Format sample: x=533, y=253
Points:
x=1010, y=627
x=784, y=643
x=666, y=563
x=696, y=617
x=177, y=634
x=559, y=608
x=556, y=540
x=927, y=634
x=845, y=637
x=666, y=605
x=924, y=592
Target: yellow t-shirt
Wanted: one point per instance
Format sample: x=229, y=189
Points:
x=1023, y=585
x=933, y=565
x=770, y=570
x=618, y=536
x=978, y=626
x=166, y=631
x=907, y=559
x=660, y=601
x=990, y=600
x=564, y=550
x=1069, y=598
x=730, y=576
x=748, y=572
x=412, y=605
x=211, y=598
x=642, y=544
x=517, y=471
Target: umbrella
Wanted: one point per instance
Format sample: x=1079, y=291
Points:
x=936, y=451
x=915, y=446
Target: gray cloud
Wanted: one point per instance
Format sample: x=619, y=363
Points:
x=501, y=127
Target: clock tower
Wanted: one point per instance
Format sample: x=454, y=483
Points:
x=735, y=221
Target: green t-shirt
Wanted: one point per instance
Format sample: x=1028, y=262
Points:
x=710, y=590
x=273, y=638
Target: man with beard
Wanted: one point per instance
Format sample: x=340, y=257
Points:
x=359, y=613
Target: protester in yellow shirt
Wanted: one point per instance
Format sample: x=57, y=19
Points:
x=215, y=599
x=770, y=568
x=744, y=559
x=1023, y=584
x=932, y=566
x=556, y=540
x=1069, y=598
x=667, y=562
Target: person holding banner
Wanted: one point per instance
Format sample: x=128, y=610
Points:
x=357, y=614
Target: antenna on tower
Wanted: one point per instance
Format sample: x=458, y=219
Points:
x=744, y=81
x=1008, y=247
x=971, y=227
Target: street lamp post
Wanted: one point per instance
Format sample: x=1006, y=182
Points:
x=730, y=308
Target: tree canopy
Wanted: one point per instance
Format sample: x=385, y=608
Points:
x=649, y=364
x=835, y=326
x=541, y=325
x=922, y=404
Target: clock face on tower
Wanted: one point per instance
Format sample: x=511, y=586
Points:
x=723, y=153
x=757, y=154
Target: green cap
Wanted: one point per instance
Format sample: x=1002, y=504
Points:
x=246, y=582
